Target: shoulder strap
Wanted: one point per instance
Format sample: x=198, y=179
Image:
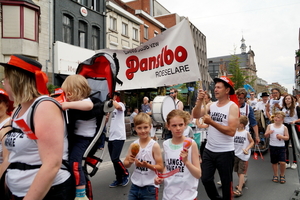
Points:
x=35, y=104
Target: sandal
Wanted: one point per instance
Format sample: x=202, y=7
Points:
x=237, y=193
x=275, y=179
x=237, y=187
x=282, y=179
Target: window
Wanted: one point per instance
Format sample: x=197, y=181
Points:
x=95, y=37
x=82, y=34
x=124, y=29
x=155, y=33
x=146, y=32
x=83, y=2
x=67, y=29
x=113, y=24
x=135, y=34
x=96, y=5
x=20, y=22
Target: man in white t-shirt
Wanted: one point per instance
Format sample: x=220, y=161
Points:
x=219, y=150
x=117, y=137
x=178, y=103
x=252, y=101
x=133, y=114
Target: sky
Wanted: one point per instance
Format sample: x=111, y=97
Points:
x=270, y=27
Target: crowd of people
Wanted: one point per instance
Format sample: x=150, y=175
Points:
x=40, y=161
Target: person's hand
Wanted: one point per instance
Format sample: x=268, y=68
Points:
x=158, y=181
x=257, y=140
x=245, y=151
x=131, y=159
x=184, y=154
x=279, y=137
x=65, y=105
x=207, y=119
x=201, y=94
x=141, y=164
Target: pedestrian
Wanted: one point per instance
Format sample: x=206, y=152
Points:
x=219, y=149
x=117, y=137
x=132, y=116
x=243, y=143
x=184, y=184
x=278, y=133
x=274, y=104
x=146, y=161
x=174, y=94
x=77, y=90
x=252, y=100
x=292, y=115
x=247, y=110
x=35, y=170
x=6, y=107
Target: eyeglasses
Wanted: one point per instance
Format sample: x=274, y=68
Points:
x=171, y=92
x=241, y=98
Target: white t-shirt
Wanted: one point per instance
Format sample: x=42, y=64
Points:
x=133, y=114
x=117, y=129
x=241, y=142
x=86, y=128
x=253, y=103
x=262, y=106
x=188, y=132
x=287, y=118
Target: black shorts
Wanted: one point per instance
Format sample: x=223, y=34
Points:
x=277, y=154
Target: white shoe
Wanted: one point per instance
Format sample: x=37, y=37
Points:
x=219, y=183
x=294, y=166
x=287, y=165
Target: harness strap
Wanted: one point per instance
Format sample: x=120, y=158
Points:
x=24, y=166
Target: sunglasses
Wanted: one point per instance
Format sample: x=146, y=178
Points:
x=171, y=92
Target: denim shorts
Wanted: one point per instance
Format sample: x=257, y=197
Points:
x=149, y=192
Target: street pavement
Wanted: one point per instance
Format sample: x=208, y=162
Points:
x=258, y=187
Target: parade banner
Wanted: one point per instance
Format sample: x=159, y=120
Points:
x=167, y=59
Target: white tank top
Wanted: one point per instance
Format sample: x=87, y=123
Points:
x=24, y=150
x=182, y=185
x=273, y=139
x=1, y=149
x=288, y=118
x=241, y=142
x=244, y=111
x=143, y=176
x=217, y=141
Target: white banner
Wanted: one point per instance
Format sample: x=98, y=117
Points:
x=167, y=59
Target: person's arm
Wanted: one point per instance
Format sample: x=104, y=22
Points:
x=156, y=152
x=193, y=165
x=198, y=111
x=251, y=142
x=129, y=159
x=253, y=123
x=199, y=125
x=78, y=105
x=285, y=135
x=5, y=152
x=180, y=105
x=117, y=106
x=50, y=144
x=268, y=131
x=232, y=121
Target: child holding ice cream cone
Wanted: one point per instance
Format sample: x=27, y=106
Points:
x=145, y=154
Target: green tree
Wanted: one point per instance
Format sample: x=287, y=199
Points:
x=237, y=73
x=239, y=76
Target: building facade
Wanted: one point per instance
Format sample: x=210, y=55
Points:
x=79, y=29
x=25, y=30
